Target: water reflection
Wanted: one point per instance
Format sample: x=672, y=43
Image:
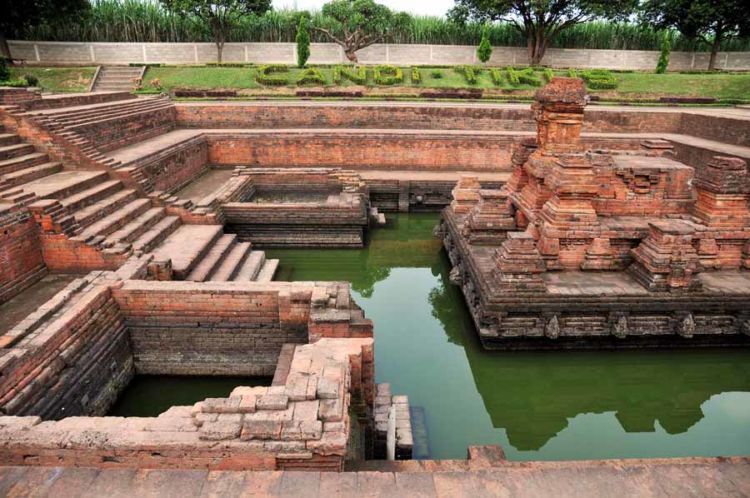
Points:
x=552, y=405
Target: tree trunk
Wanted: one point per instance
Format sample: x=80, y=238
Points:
x=4, y=48
x=536, y=45
x=714, y=50
x=219, y=50
x=351, y=55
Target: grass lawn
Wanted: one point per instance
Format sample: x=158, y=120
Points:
x=58, y=79
x=720, y=85
x=630, y=85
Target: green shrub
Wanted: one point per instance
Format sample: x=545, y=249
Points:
x=265, y=72
x=599, y=79
x=358, y=76
x=548, y=74
x=497, y=76
x=4, y=69
x=666, y=48
x=31, y=79
x=572, y=73
x=214, y=64
x=303, y=42
x=469, y=74
x=311, y=76
x=527, y=77
x=436, y=74
x=388, y=75
x=17, y=83
x=484, y=51
x=513, y=78
x=416, y=77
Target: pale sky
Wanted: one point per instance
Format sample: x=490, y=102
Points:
x=419, y=7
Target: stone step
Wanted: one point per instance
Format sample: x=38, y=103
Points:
x=119, y=218
x=130, y=114
x=114, y=112
x=232, y=262
x=9, y=139
x=157, y=234
x=187, y=246
x=15, y=150
x=120, y=69
x=268, y=271
x=136, y=228
x=91, y=195
x=22, y=162
x=65, y=184
x=210, y=262
x=64, y=116
x=251, y=267
x=86, y=108
x=98, y=210
x=25, y=175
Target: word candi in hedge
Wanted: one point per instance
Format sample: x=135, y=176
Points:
x=388, y=75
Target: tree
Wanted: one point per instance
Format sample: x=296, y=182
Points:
x=19, y=15
x=220, y=15
x=711, y=21
x=303, y=42
x=356, y=24
x=666, y=48
x=484, y=51
x=540, y=20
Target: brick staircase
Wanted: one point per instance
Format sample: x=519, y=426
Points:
x=93, y=209
x=97, y=128
x=118, y=78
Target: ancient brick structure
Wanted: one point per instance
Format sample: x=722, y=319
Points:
x=63, y=367
x=602, y=245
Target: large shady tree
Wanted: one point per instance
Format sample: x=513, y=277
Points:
x=16, y=16
x=356, y=24
x=220, y=15
x=711, y=21
x=540, y=20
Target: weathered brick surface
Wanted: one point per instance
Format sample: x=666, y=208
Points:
x=360, y=151
x=21, y=261
x=590, y=215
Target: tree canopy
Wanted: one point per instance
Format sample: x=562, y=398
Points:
x=221, y=15
x=540, y=20
x=356, y=24
x=19, y=15
x=711, y=21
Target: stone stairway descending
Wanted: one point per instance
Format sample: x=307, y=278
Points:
x=20, y=163
x=118, y=78
x=101, y=212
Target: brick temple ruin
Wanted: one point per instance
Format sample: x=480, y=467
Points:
x=591, y=248
x=161, y=210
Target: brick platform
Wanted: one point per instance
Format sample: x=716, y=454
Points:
x=591, y=249
x=706, y=477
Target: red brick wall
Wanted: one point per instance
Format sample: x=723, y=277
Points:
x=174, y=169
x=352, y=115
x=21, y=262
x=362, y=151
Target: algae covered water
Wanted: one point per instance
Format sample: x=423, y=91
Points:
x=550, y=405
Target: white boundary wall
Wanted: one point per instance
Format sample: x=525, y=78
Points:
x=76, y=53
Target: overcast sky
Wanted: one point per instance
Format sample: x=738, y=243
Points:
x=419, y=7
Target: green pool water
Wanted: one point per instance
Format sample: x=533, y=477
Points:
x=150, y=395
x=551, y=405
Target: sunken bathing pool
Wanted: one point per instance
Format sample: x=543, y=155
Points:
x=537, y=406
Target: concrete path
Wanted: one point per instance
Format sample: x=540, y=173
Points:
x=698, y=477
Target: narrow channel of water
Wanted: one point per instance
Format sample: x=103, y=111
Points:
x=552, y=405
x=150, y=395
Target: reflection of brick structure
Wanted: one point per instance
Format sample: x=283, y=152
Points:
x=588, y=215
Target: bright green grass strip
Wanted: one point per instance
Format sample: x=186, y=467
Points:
x=58, y=79
x=722, y=86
